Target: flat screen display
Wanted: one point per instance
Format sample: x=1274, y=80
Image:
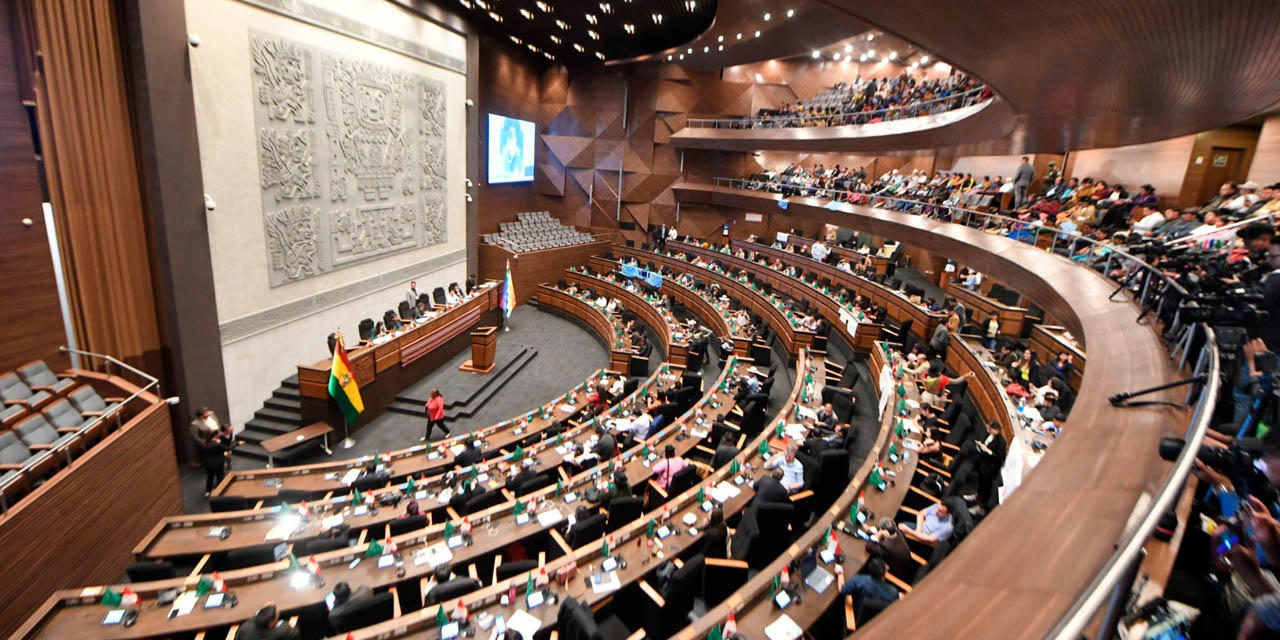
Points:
x=510, y=149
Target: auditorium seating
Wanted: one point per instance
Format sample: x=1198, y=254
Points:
x=534, y=231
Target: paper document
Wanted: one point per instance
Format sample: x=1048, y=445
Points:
x=524, y=623
x=784, y=628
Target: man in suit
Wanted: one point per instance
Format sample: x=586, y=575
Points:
x=980, y=461
x=770, y=489
x=266, y=625
x=888, y=544
x=345, y=601
x=411, y=296
x=469, y=456
x=1022, y=181
x=606, y=446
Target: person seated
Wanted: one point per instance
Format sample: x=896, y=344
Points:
x=792, y=469
x=422, y=310
x=468, y=456
x=439, y=576
x=870, y=584
x=933, y=525
x=620, y=487
x=266, y=625
x=344, y=601
x=606, y=446
x=666, y=468
x=835, y=437
x=826, y=416
x=412, y=509
x=390, y=321
x=453, y=295
x=888, y=544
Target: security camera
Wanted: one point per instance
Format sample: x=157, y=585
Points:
x=193, y=39
x=209, y=204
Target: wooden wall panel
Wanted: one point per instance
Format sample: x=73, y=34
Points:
x=1266, y=158
x=1162, y=164
x=80, y=528
x=1193, y=183
x=532, y=268
x=30, y=319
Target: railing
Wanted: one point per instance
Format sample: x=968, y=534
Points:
x=65, y=447
x=1152, y=290
x=928, y=107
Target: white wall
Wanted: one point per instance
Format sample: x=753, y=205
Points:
x=287, y=325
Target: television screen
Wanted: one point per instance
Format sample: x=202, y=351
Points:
x=510, y=149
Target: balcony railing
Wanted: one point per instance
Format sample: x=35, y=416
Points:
x=819, y=119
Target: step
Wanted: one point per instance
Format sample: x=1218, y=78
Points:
x=289, y=405
x=251, y=450
x=270, y=426
x=253, y=434
x=277, y=415
x=291, y=382
x=476, y=403
x=485, y=383
x=287, y=393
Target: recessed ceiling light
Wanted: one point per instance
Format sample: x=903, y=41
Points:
x=562, y=24
x=516, y=40
x=835, y=56
x=481, y=4
x=629, y=28
x=548, y=55
x=528, y=15
x=848, y=48
x=546, y=8
x=669, y=56
x=924, y=59
x=690, y=50
x=682, y=56
x=884, y=58
x=766, y=17
x=600, y=55
x=496, y=17
x=556, y=39
x=577, y=47
x=791, y=12
x=893, y=55
x=915, y=64
x=871, y=52
x=870, y=37
x=532, y=48
x=817, y=54
x=862, y=58
x=691, y=5
x=593, y=34
x=465, y=3
x=706, y=49
x=739, y=36
x=606, y=8
x=757, y=34
x=719, y=38
x=720, y=48
x=591, y=19
x=657, y=18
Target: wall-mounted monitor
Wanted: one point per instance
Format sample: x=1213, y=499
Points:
x=510, y=149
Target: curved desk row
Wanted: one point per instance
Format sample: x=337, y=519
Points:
x=879, y=263
x=656, y=319
x=608, y=329
x=1011, y=318
x=1055, y=533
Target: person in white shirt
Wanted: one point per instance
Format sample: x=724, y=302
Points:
x=1147, y=222
x=640, y=422
x=844, y=266
x=819, y=251
x=1248, y=196
x=616, y=388
x=792, y=470
x=621, y=424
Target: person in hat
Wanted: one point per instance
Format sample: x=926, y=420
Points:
x=1246, y=198
x=1226, y=193
x=668, y=467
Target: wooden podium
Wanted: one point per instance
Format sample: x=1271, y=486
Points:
x=484, y=345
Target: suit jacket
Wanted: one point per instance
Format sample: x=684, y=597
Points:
x=1026, y=173
x=770, y=490
x=606, y=447
x=468, y=457
x=338, y=615
x=411, y=297
x=251, y=631
x=895, y=553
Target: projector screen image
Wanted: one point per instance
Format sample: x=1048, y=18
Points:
x=510, y=149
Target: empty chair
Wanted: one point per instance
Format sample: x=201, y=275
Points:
x=405, y=525
x=39, y=377
x=39, y=434
x=11, y=414
x=64, y=416
x=87, y=400
x=530, y=485
x=454, y=588
x=14, y=391
x=679, y=593
x=367, y=482
x=587, y=530
x=321, y=545
x=831, y=476
x=294, y=496
x=249, y=557
x=437, y=294
x=483, y=501
x=623, y=511
x=148, y=571
x=220, y=504
x=509, y=570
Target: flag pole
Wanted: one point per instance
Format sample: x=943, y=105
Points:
x=347, y=440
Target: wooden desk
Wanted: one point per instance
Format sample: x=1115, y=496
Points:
x=73, y=613
x=297, y=437
x=607, y=328
x=900, y=308
x=981, y=308
x=662, y=323
x=879, y=263
x=386, y=369
x=1048, y=341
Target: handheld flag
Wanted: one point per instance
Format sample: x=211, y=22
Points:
x=441, y=618
x=110, y=598
x=508, y=293
x=374, y=550
x=342, y=385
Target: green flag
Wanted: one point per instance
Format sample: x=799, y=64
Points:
x=204, y=585
x=110, y=597
x=518, y=508
x=876, y=480
x=604, y=549
x=902, y=406
x=808, y=378
x=374, y=550
x=441, y=618
x=649, y=529
x=449, y=530
x=853, y=514
x=519, y=453
x=899, y=429
x=644, y=451
x=893, y=448
x=559, y=439
x=763, y=448
x=902, y=389
x=409, y=486
x=714, y=633
x=475, y=470
x=775, y=586
x=528, y=584
x=702, y=496
x=779, y=430
x=356, y=497
x=734, y=467
x=559, y=488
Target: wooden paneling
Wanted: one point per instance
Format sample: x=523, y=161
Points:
x=1244, y=138
x=1266, y=158
x=532, y=268
x=80, y=527
x=30, y=319
x=1161, y=164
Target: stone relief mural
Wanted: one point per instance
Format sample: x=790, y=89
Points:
x=356, y=175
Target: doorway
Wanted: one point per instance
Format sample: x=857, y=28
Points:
x=1223, y=164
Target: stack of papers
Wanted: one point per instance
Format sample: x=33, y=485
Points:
x=350, y=476
x=723, y=492
x=524, y=624
x=784, y=628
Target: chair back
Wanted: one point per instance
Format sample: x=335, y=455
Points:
x=832, y=475
x=509, y=570
x=483, y=501
x=367, y=611
x=683, y=480
x=222, y=504
x=148, y=571
x=405, y=525
x=438, y=295
x=623, y=511
x=248, y=557
x=454, y=588
x=37, y=374
x=36, y=430
x=83, y=397
x=62, y=415
x=585, y=531
x=321, y=545
x=13, y=388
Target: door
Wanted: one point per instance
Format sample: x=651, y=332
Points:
x=1223, y=164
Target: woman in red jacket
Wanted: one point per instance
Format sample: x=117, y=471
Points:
x=435, y=414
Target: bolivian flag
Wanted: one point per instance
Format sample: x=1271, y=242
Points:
x=342, y=385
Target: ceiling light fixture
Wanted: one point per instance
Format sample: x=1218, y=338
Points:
x=719, y=38
x=546, y=8
x=528, y=15
x=817, y=54
x=924, y=59
x=516, y=40
x=682, y=56
x=577, y=47
x=791, y=12
x=690, y=52
x=657, y=18
x=593, y=34
x=835, y=56
x=465, y=3
x=757, y=34
x=591, y=19
x=562, y=24
x=548, y=55
x=893, y=55
x=669, y=57
x=556, y=39
x=496, y=17
x=870, y=37
x=739, y=36
x=629, y=28
x=766, y=17
x=532, y=48
x=606, y=8
x=871, y=52
x=481, y=4
x=706, y=49
x=720, y=48
x=600, y=55
x=691, y=5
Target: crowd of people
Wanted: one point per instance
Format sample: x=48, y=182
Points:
x=868, y=100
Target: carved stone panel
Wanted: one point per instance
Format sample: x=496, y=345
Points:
x=356, y=173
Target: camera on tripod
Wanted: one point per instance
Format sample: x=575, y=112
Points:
x=1234, y=461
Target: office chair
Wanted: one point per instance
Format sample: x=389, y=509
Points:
x=222, y=504
x=483, y=501
x=401, y=526
x=367, y=482
x=831, y=477
x=585, y=531
x=148, y=571
x=248, y=557
x=454, y=588
x=437, y=294
x=377, y=608
x=624, y=510
x=683, y=480
x=509, y=570
x=684, y=586
x=316, y=546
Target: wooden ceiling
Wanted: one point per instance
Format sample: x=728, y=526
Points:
x=1104, y=73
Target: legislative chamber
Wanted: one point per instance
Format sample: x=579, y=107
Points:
x=724, y=320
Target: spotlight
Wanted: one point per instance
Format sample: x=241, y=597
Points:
x=817, y=54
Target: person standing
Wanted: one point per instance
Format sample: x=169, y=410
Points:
x=215, y=450
x=435, y=414
x=1022, y=181
x=203, y=426
x=411, y=296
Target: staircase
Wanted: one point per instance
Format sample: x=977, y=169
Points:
x=281, y=413
x=465, y=401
